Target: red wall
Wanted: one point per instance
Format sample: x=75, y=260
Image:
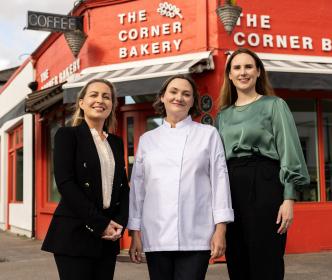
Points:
x=310, y=18
x=102, y=26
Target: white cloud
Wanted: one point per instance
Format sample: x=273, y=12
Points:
x=4, y=63
x=16, y=43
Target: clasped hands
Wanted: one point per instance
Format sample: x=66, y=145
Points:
x=112, y=232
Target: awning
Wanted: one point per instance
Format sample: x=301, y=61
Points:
x=298, y=72
x=41, y=100
x=139, y=77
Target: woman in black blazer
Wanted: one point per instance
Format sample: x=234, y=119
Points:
x=90, y=174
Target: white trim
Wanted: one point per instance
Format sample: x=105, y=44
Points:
x=20, y=214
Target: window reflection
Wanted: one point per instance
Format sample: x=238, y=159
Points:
x=53, y=194
x=55, y=120
x=19, y=175
x=304, y=113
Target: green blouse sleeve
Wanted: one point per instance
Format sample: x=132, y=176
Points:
x=293, y=171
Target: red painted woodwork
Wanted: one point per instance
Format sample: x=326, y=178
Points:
x=139, y=113
x=320, y=138
x=44, y=209
x=15, y=142
x=311, y=231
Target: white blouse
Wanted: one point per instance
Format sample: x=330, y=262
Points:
x=107, y=165
x=179, y=187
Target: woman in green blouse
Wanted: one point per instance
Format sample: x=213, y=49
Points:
x=266, y=168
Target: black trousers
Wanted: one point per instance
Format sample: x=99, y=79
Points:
x=178, y=265
x=84, y=268
x=254, y=248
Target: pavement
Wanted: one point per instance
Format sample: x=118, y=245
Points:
x=21, y=258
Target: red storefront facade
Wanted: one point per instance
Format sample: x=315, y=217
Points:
x=137, y=44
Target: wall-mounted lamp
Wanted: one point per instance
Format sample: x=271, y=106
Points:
x=228, y=14
x=75, y=40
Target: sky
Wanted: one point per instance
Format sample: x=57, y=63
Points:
x=16, y=44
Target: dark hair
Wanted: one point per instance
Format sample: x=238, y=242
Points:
x=228, y=93
x=160, y=107
x=111, y=122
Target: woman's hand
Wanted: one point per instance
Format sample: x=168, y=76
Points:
x=285, y=215
x=218, y=241
x=136, y=248
x=112, y=232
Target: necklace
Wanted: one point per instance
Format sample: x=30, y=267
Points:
x=241, y=108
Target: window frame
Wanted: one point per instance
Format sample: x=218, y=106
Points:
x=13, y=147
x=44, y=205
x=317, y=96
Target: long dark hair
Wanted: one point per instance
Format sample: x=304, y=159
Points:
x=228, y=93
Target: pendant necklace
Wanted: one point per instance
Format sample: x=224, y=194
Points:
x=246, y=106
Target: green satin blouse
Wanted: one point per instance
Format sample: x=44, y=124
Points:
x=266, y=126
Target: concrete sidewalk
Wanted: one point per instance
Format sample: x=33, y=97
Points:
x=21, y=258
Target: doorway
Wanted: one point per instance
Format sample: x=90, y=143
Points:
x=136, y=120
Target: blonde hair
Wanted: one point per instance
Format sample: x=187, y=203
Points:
x=228, y=93
x=78, y=116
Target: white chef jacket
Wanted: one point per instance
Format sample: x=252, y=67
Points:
x=179, y=187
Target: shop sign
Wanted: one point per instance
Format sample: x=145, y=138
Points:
x=61, y=76
x=145, y=31
x=53, y=22
x=279, y=41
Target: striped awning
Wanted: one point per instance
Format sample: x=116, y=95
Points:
x=296, y=63
x=140, y=77
x=298, y=72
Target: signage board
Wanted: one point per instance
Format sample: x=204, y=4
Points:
x=53, y=22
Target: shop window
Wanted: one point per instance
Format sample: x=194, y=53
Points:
x=327, y=133
x=304, y=113
x=130, y=144
x=15, y=164
x=54, y=121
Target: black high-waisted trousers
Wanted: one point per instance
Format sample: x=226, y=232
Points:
x=254, y=248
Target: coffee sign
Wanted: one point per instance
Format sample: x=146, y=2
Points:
x=53, y=22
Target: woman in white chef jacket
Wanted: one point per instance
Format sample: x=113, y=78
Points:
x=179, y=197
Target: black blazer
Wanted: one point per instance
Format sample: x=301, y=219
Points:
x=80, y=219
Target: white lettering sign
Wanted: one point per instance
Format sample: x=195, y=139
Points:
x=279, y=41
x=62, y=76
x=145, y=33
x=326, y=45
